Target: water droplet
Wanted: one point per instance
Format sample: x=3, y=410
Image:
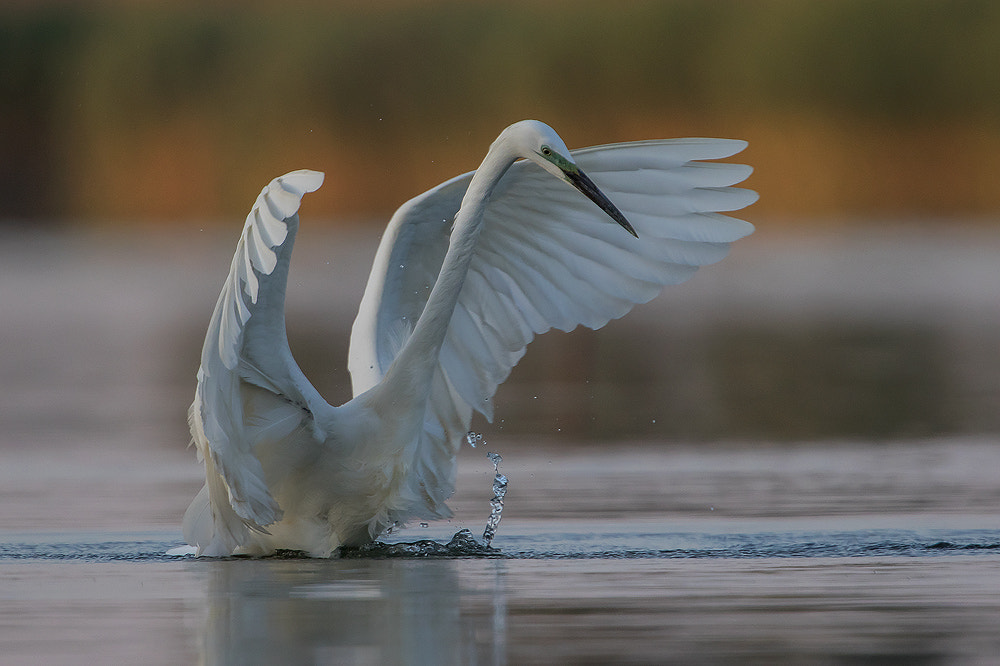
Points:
x=424, y=524
x=496, y=504
x=473, y=438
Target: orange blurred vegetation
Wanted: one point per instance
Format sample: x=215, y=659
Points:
x=852, y=109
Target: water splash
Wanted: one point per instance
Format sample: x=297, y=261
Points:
x=463, y=544
x=496, y=504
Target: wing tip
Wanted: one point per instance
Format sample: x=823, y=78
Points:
x=725, y=147
x=743, y=229
x=301, y=181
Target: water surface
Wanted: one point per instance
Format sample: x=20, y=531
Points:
x=718, y=569
x=790, y=460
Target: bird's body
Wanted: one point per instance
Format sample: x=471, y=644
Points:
x=465, y=276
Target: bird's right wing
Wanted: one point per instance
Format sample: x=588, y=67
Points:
x=547, y=257
x=249, y=387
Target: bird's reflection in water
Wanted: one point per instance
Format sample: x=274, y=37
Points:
x=386, y=611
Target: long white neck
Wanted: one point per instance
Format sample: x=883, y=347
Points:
x=411, y=372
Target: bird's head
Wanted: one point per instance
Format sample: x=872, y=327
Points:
x=539, y=143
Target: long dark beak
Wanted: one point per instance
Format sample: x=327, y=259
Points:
x=582, y=182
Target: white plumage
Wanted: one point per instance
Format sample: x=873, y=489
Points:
x=465, y=276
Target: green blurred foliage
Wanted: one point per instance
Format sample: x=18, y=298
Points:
x=169, y=101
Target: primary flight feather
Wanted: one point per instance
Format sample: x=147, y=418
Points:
x=465, y=276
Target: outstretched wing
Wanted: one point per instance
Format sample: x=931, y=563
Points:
x=546, y=258
x=249, y=387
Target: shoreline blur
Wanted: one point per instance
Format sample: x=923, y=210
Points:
x=117, y=112
x=873, y=333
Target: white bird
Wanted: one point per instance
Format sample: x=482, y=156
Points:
x=465, y=276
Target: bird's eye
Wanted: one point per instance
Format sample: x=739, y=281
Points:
x=546, y=151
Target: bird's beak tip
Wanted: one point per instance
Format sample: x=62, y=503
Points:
x=582, y=182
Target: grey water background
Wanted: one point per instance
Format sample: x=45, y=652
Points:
x=791, y=459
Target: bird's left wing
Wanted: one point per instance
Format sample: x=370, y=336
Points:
x=546, y=258
x=249, y=386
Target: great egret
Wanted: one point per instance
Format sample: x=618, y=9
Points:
x=465, y=276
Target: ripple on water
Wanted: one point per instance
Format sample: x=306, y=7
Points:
x=563, y=545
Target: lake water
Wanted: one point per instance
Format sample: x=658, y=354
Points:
x=792, y=459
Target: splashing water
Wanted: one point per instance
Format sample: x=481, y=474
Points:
x=463, y=544
x=496, y=504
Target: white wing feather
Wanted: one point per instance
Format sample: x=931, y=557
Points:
x=546, y=258
x=249, y=388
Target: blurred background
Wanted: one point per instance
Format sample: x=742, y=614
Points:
x=122, y=111
x=135, y=135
